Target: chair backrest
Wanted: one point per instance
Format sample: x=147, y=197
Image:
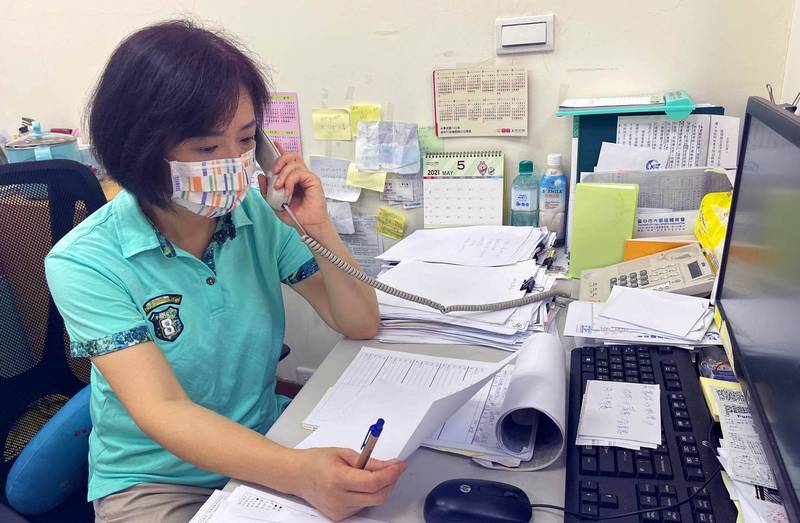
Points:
x=39, y=203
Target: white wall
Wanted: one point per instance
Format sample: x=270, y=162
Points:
x=791, y=79
x=335, y=53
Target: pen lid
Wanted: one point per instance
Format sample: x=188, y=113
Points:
x=376, y=428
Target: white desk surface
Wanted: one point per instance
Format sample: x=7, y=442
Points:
x=426, y=468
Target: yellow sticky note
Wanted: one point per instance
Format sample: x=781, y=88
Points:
x=428, y=141
x=365, y=180
x=331, y=124
x=363, y=113
x=708, y=385
x=390, y=223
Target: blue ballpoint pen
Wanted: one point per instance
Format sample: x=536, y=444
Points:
x=370, y=440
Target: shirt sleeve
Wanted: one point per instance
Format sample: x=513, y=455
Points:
x=295, y=261
x=99, y=313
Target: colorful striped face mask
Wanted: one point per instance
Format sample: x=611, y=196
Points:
x=215, y=187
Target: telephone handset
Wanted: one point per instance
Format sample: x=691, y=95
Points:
x=267, y=154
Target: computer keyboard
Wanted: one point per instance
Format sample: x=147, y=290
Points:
x=604, y=481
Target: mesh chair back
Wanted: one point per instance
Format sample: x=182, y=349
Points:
x=39, y=203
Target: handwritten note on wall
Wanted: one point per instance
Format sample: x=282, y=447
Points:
x=331, y=124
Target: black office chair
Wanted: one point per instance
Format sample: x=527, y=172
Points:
x=39, y=203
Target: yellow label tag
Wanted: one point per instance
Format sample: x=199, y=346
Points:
x=365, y=180
x=390, y=223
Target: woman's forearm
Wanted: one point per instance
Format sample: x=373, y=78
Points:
x=353, y=304
x=213, y=442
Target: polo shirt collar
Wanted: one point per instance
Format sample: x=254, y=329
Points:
x=138, y=234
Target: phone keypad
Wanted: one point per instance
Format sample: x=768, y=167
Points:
x=659, y=278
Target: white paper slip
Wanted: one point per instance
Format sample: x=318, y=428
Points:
x=612, y=101
x=618, y=411
x=246, y=504
x=332, y=173
x=210, y=507
x=614, y=157
x=663, y=312
x=479, y=245
x=342, y=217
x=746, y=458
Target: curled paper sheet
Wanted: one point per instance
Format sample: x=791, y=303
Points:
x=534, y=408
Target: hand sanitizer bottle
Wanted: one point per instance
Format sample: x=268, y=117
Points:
x=525, y=196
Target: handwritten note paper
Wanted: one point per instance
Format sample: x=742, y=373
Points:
x=332, y=173
x=363, y=113
x=391, y=223
x=620, y=414
x=365, y=180
x=331, y=124
x=428, y=141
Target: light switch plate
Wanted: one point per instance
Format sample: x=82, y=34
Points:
x=515, y=32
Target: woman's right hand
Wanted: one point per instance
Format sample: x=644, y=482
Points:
x=333, y=485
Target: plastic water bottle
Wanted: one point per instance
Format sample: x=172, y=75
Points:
x=553, y=196
x=525, y=196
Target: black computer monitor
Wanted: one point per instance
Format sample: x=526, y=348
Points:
x=759, y=286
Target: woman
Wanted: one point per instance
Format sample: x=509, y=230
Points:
x=173, y=289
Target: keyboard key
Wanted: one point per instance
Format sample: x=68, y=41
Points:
x=643, y=454
x=663, y=467
x=661, y=449
x=676, y=396
x=589, y=485
x=646, y=488
x=588, y=465
x=693, y=474
x=587, y=367
x=616, y=366
x=678, y=405
x=668, y=501
x=683, y=424
x=651, y=517
x=589, y=358
x=628, y=350
x=691, y=461
x=605, y=460
x=644, y=469
x=589, y=509
x=704, y=517
x=670, y=516
x=680, y=414
x=671, y=376
x=669, y=490
x=672, y=385
x=647, y=501
x=689, y=450
x=686, y=438
x=609, y=501
x=647, y=377
x=617, y=374
x=588, y=450
x=615, y=350
x=701, y=493
x=589, y=496
x=625, y=463
x=701, y=505
x=665, y=350
x=669, y=368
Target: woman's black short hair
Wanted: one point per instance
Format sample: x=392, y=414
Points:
x=163, y=84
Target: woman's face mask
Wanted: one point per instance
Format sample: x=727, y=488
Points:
x=213, y=188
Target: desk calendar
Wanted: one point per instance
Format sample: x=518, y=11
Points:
x=282, y=122
x=463, y=188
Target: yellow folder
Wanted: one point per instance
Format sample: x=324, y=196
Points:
x=603, y=218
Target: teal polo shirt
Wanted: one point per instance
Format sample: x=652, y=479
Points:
x=219, y=321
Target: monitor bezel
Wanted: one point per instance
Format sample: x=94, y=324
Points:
x=787, y=124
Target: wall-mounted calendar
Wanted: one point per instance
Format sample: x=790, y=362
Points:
x=484, y=101
x=282, y=121
x=463, y=188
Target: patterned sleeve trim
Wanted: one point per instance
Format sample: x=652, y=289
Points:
x=110, y=343
x=305, y=270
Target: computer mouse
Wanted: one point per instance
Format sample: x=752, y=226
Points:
x=477, y=501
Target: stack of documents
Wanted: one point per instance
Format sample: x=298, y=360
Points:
x=247, y=504
x=644, y=316
x=617, y=414
x=490, y=411
x=466, y=266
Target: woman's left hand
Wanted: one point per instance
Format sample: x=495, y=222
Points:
x=302, y=186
